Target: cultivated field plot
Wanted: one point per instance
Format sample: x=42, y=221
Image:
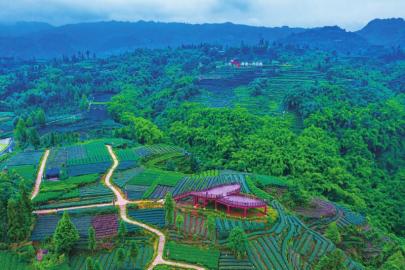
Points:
x=146, y=151
x=6, y=123
x=87, y=158
x=228, y=87
x=154, y=217
x=160, y=192
x=289, y=244
x=194, y=225
x=79, y=187
x=27, y=172
x=151, y=178
x=25, y=158
x=77, y=202
x=106, y=225
x=142, y=182
x=108, y=259
x=228, y=261
x=25, y=164
x=225, y=225
x=133, y=192
x=208, y=257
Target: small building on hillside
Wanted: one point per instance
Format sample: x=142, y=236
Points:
x=52, y=174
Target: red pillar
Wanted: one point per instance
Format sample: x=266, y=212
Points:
x=245, y=212
x=265, y=209
x=215, y=204
x=195, y=200
x=228, y=210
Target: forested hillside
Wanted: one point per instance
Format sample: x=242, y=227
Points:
x=330, y=124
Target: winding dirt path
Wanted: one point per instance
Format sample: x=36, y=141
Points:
x=122, y=203
x=40, y=175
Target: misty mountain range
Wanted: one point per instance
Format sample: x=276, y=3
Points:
x=41, y=40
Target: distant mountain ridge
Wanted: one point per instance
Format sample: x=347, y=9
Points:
x=113, y=37
x=41, y=40
x=387, y=32
x=331, y=38
x=22, y=28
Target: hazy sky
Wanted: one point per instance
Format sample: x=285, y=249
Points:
x=349, y=14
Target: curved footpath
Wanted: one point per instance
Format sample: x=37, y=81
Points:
x=122, y=203
x=40, y=175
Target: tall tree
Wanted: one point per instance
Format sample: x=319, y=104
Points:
x=14, y=232
x=97, y=265
x=333, y=261
x=332, y=232
x=33, y=137
x=179, y=222
x=89, y=263
x=92, y=239
x=122, y=231
x=20, y=132
x=133, y=250
x=169, y=209
x=211, y=227
x=26, y=209
x=120, y=257
x=40, y=117
x=66, y=235
x=237, y=242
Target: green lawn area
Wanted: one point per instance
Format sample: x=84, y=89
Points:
x=10, y=261
x=208, y=257
x=28, y=172
x=155, y=176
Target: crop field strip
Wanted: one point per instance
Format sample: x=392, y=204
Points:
x=108, y=260
x=200, y=182
x=225, y=225
x=76, y=189
x=227, y=261
x=208, y=257
x=193, y=225
x=134, y=154
x=155, y=217
x=104, y=224
x=134, y=192
x=25, y=158
x=77, y=202
x=160, y=191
